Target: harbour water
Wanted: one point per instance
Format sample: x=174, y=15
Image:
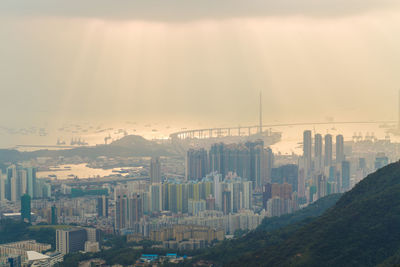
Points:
x=71, y=171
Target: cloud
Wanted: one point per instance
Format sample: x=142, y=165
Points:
x=190, y=10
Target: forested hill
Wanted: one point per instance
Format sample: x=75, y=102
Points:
x=270, y=231
x=128, y=146
x=362, y=229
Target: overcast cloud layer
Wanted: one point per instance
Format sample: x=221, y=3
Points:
x=189, y=10
x=187, y=62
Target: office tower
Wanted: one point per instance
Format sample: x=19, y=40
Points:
x=318, y=164
x=155, y=170
x=307, y=150
x=345, y=176
x=31, y=182
x=102, y=206
x=328, y=150
x=54, y=215
x=339, y=149
x=156, y=197
x=70, y=240
x=196, y=164
x=26, y=208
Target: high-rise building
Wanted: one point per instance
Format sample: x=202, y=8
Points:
x=31, y=182
x=92, y=234
x=301, y=185
x=11, y=188
x=307, y=150
x=2, y=187
x=269, y=157
x=196, y=164
x=381, y=160
x=70, y=240
x=210, y=203
x=155, y=170
x=318, y=164
x=22, y=182
x=328, y=150
x=286, y=174
x=26, y=208
x=321, y=186
x=54, y=215
x=135, y=209
x=156, y=197
x=217, y=159
x=339, y=149
x=267, y=194
x=257, y=163
x=102, y=206
x=345, y=176
x=318, y=145
x=274, y=207
x=227, y=202
x=121, y=210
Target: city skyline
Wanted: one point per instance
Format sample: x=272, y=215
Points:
x=199, y=133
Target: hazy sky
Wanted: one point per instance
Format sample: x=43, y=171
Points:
x=205, y=61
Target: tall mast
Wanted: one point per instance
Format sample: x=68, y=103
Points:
x=260, y=130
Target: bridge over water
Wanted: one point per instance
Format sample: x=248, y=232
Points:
x=251, y=130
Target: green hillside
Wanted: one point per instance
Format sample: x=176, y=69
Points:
x=362, y=229
x=267, y=233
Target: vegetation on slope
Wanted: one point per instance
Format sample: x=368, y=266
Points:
x=270, y=232
x=362, y=229
x=13, y=231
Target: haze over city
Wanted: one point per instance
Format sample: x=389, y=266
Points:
x=199, y=133
x=198, y=62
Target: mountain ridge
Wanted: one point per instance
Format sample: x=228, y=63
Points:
x=362, y=229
